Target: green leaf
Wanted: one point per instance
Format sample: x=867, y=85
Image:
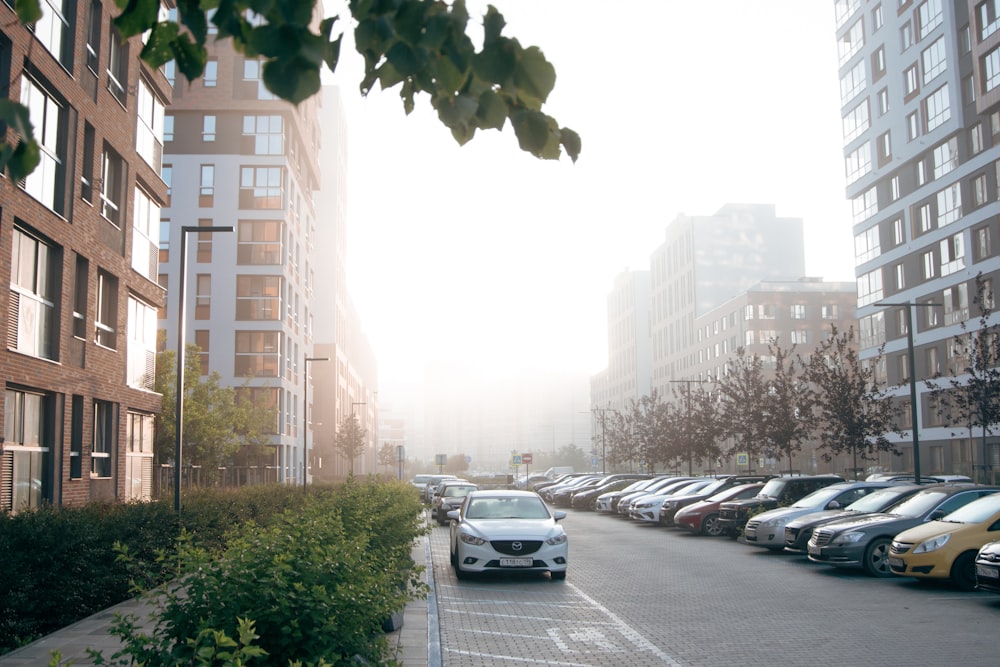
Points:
x=294, y=80
x=190, y=57
x=275, y=42
x=404, y=58
x=137, y=17
x=493, y=25
x=492, y=113
x=496, y=62
x=457, y=111
x=389, y=76
x=192, y=17
x=406, y=94
x=410, y=19
x=536, y=133
x=28, y=11
x=534, y=74
x=159, y=47
x=21, y=159
x=463, y=134
x=571, y=142
x=450, y=78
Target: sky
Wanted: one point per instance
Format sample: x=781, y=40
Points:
x=486, y=256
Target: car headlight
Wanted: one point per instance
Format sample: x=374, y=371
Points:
x=471, y=539
x=669, y=504
x=779, y=523
x=848, y=538
x=557, y=539
x=932, y=545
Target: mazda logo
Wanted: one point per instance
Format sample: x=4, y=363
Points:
x=516, y=546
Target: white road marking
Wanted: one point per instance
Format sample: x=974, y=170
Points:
x=515, y=658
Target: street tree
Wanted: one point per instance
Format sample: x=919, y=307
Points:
x=853, y=410
x=619, y=445
x=421, y=46
x=787, y=405
x=970, y=395
x=456, y=464
x=386, y=455
x=741, y=416
x=350, y=440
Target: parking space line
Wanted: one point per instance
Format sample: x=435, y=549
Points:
x=514, y=658
x=519, y=617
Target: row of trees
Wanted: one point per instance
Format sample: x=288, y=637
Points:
x=225, y=426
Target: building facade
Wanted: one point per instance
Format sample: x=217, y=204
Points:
x=920, y=96
x=237, y=156
x=78, y=249
x=629, y=370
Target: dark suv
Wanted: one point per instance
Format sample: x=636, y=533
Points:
x=778, y=491
x=673, y=504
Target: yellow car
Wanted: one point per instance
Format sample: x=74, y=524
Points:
x=946, y=548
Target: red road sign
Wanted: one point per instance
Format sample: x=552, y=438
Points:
x=526, y=458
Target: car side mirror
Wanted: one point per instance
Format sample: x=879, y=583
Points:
x=833, y=505
x=559, y=515
x=935, y=515
x=453, y=514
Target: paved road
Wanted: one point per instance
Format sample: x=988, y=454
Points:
x=643, y=595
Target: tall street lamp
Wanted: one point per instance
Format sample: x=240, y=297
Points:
x=181, y=321
x=305, y=415
x=909, y=305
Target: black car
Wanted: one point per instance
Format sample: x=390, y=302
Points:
x=586, y=498
x=674, y=503
x=778, y=491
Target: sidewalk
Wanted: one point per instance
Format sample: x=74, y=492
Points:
x=415, y=644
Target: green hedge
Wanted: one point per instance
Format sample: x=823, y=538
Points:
x=313, y=572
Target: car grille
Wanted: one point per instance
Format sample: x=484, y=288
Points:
x=899, y=548
x=791, y=534
x=989, y=557
x=516, y=547
x=727, y=513
x=821, y=538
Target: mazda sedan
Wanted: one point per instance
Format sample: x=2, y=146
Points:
x=507, y=531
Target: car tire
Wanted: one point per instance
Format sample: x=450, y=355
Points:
x=963, y=571
x=710, y=526
x=460, y=574
x=876, y=559
x=558, y=576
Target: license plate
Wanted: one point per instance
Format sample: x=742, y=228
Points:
x=987, y=572
x=815, y=551
x=516, y=562
x=896, y=562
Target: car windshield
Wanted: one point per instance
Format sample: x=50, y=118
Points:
x=818, y=498
x=421, y=479
x=919, y=504
x=978, y=511
x=457, y=491
x=506, y=508
x=711, y=487
x=773, y=488
x=876, y=501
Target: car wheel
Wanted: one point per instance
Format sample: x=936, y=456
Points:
x=710, y=525
x=876, y=562
x=963, y=571
x=558, y=576
x=460, y=574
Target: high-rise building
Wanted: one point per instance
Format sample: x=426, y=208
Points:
x=78, y=251
x=235, y=155
x=920, y=96
x=704, y=262
x=629, y=371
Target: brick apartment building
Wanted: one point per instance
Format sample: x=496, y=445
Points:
x=78, y=247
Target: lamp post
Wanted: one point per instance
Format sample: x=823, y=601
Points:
x=305, y=416
x=181, y=322
x=909, y=305
x=687, y=395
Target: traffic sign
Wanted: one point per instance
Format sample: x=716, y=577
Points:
x=515, y=459
x=526, y=458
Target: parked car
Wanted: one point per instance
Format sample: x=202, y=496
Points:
x=946, y=548
x=864, y=541
x=572, y=482
x=451, y=494
x=988, y=567
x=702, y=517
x=673, y=503
x=585, y=499
x=625, y=504
x=767, y=529
x=647, y=508
x=420, y=481
x=431, y=485
x=559, y=479
x=798, y=531
x=911, y=477
x=507, y=530
x=777, y=491
x=608, y=502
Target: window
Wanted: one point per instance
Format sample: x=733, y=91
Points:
x=93, y=37
x=924, y=221
x=167, y=174
x=259, y=242
x=170, y=71
x=203, y=297
x=902, y=321
x=26, y=438
x=205, y=240
x=203, y=339
x=900, y=271
x=168, y=128
x=117, y=65
x=912, y=126
x=991, y=69
x=989, y=300
x=945, y=157
x=844, y=9
x=34, y=283
x=53, y=30
x=906, y=36
x=258, y=298
x=929, y=16
x=139, y=456
x=104, y=440
x=81, y=290
x=266, y=132
x=934, y=59
x=910, y=81
x=937, y=108
x=851, y=42
x=876, y=18
x=48, y=115
x=864, y=205
x=870, y=287
x=866, y=245
x=149, y=126
x=145, y=235
x=258, y=353
x=984, y=243
x=265, y=400
x=872, y=330
x=933, y=365
x=141, y=331
x=989, y=18
x=830, y=311
x=253, y=72
x=749, y=337
x=208, y=128
x=952, y=254
x=800, y=337
x=878, y=63
x=207, y=180
x=968, y=90
x=976, y=138
x=932, y=315
x=949, y=204
x=894, y=188
x=979, y=193
x=884, y=149
x=261, y=187
x=107, y=309
x=858, y=163
x=856, y=121
x=748, y=312
x=927, y=263
x=211, y=77
x=956, y=304
x=765, y=311
x=87, y=171
x=897, y=231
x=112, y=186
x=797, y=311
x=852, y=83
x=883, y=101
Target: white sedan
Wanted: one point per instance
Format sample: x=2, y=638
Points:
x=507, y=531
